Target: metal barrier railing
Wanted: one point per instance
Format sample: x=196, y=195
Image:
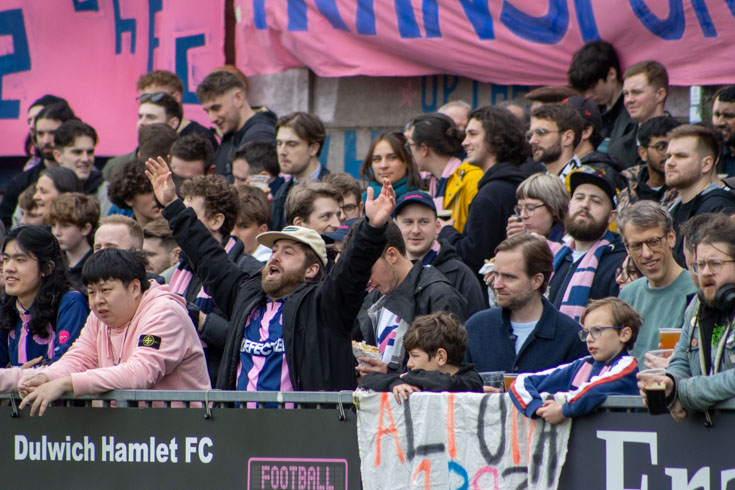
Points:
x=274, y=399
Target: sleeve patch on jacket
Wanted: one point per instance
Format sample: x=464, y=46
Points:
x=152, y=341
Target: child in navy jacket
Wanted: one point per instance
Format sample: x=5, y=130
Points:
x=436, y=345
x=610, y=328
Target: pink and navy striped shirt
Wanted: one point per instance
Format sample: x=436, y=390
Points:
x=263, y=364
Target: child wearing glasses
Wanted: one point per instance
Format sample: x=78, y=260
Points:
x=610, y=328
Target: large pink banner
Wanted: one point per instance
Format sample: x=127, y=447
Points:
x=527, y=42
x=92, y=52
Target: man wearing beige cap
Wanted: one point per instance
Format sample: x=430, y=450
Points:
x=288, y=330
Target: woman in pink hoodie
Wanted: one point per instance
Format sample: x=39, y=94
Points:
x=139, y=337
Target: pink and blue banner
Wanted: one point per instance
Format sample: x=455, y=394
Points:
x=526, y=42
x=92, y=52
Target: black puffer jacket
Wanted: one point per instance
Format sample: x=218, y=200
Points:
x=317, y=316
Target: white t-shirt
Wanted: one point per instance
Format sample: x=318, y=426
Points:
x=522, y=331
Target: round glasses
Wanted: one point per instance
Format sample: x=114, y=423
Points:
x=528, y=208
x=594, y=332
x=714, y=265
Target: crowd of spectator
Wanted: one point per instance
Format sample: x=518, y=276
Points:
x=549, y=237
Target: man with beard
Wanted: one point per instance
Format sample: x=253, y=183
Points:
x=45, y=124
x=690, y=166
x=723, y=117
x=299, y=142
x=556, y=130
x=647, y=181
x=525, y=333
x=585, y=266
x=216, y=205
x=288, y=330
x=700, y=371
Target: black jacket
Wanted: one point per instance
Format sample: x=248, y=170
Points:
x=466, y=379
x=603, y=285
x=489, y=212
x=461, y=277
x=214, y=329
x=423, y=291
x=491, y=343
x=260, y=126
x=317, y=316
x=711, y=200
x=15, y=188
x=278, y=206
x=622, y=132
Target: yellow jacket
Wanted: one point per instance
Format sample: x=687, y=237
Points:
x=460, y=191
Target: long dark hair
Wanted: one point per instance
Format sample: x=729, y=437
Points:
x=397, y=143
x=40, y=244
x=438, y=132
x=64, y=179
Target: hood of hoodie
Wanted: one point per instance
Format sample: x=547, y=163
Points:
x=510, y=172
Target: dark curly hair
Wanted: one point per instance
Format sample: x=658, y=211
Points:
x=219, y=197
x=503, y=134
x=128, y=182
x=42, y=246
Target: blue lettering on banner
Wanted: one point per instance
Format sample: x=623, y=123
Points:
x=475, y=90
x=259, y=14
x=731, y=5
x=262, y=348
x=431, y=106
x=449, y=87
x=365, y=21
x=122, y=26
x=297, y=15
x=86, y=6
x=586, y=20
x=352, y=163
x=324, y=155
x=431, y=18
x=154, y=6
x=547, y=29
x=407, y=26
x=12, y=24
x=184, y=44
x=478, y=13
x=329, y=9
x=671, y=28
x=705, y=21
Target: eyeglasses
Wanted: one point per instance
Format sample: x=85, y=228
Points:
x=528, y=208
x=349, y=208
x=651, y=243
x=540, y=132
x=714, y=265
x=155, y=97
x=594, y=332
x=660, y=146
x=627, y=274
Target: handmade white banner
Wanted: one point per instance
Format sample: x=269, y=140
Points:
x=456, y=441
